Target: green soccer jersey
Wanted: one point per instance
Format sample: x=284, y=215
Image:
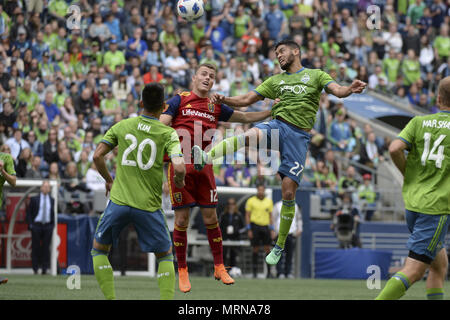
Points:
x=426, y=187
x=8, y=164
x=142, y=142
x=299, y=93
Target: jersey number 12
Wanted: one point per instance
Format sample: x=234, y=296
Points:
x=438, y=156
x=141, y=146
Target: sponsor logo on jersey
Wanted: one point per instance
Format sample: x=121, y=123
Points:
x=196, y=113
x=177, y=196
x=211, y=107
x=297, y=89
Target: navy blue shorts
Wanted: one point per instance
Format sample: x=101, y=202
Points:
x=151, y=227
x=428, y=232
x=293, y=145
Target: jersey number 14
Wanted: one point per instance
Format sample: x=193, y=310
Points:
x=140, y=147
x=432, y=155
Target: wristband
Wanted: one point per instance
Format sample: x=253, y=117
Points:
x=271, y=227
x=248, y=227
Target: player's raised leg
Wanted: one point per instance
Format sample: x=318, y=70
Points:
x=227, y=146
x=436, y=276
x=214, y=235
x=288, y=190
x=180, y=244
x=3, y=280
x=103, y=270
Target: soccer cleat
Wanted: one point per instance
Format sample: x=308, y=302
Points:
x=183, y=280
x=3, y=280
x=199, y=156
x=220, y=273
x=274, y=256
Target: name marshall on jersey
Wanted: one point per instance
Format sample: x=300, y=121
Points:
x=436, y=124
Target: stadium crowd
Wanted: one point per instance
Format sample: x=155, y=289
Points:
x=64, y=81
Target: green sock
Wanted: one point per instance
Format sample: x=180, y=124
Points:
x=435, y=294
x=395, y=288
x=166, y=277
x=104, y=273
x=226, y=146
x=286, y=216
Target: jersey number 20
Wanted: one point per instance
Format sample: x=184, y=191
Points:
x=432, y=155
x=141, y=146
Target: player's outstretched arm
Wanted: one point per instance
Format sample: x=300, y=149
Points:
x=243, y=100
x=8, y=177
x=179, y=170
x=339, y=91
x=99, y=160
x=249, y=117
x=396, y=150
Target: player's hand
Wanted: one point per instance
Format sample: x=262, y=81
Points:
x=250, y=234
x=217, y=98
x=277, y=100
x=179, y=183
x=108, y=186
x=358, y=86
x=273, y=234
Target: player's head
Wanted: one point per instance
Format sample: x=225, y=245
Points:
x=443, y=98
x=204, y=76
x=153, y=97
x=287, y=52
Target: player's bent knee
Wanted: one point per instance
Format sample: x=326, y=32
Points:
x=101, y=247
x=160, y=255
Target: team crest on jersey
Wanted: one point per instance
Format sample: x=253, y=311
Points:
x=211, y=107
x=177, y=197
x=305, y=78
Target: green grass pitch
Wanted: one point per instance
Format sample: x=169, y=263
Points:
x=38, y=287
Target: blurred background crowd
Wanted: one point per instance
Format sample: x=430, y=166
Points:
x=64, y=81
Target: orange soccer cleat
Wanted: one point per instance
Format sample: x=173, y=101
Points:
x=183, y=280
x=220, y=273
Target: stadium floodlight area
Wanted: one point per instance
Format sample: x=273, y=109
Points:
x=33, y=186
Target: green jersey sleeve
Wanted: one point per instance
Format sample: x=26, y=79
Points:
x=266, y=89
x=173, y=146
x=110, y=137
x=9, y=166
x=324, y=79
x=407, y=134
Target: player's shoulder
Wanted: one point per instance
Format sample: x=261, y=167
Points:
x=5, y=156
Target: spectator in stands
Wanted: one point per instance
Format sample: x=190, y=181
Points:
x=237, y=175
x=17, y=144
x=410, y=68
x=370, y=155
x=34, y=171
x=348, y=183
x=232, y=225
x=284, y=266
x=325, y=183
x=23, y=163
x=367, y=197
x=340, y=133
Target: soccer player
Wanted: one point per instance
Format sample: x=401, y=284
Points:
x=137, y=188
x=192, y=114
x=426, y=191
x=7, y=173
x=299, y=92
